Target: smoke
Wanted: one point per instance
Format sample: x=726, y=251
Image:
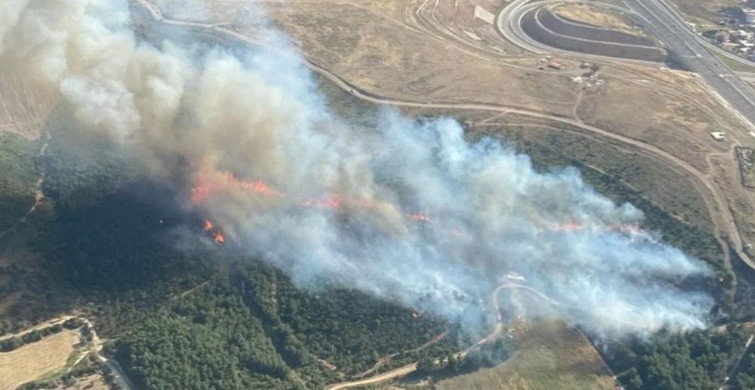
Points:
x=408, y=211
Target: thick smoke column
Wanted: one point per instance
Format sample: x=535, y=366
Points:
x=406, y=211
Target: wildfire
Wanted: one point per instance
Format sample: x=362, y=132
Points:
x=210, y=184
x=628, y=229
x=574, y=226
x=568, y=227
x=201, y=191
x=215, y=233
x=333, y=202
x=419, y=217
x=204, y=188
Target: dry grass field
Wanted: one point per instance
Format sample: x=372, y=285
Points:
x=24, y=108
x=550, y=357
x=596, y=16
x=390, y=58
x=32, y=361
x=703, y=13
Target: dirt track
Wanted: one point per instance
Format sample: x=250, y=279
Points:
x=725, y=228
x=489, y=338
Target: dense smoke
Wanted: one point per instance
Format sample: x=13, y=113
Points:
x=406, y=211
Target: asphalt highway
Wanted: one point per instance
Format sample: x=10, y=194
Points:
x=678, y=39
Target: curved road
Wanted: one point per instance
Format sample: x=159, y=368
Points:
x=715, y=200
x=508, y=23
x=411, y=367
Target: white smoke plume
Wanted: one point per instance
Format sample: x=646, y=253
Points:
x=407, y=211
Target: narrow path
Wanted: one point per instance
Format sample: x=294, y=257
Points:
x=51, y=322
x=490, y=337
x=736, y=364
x=387, y=358
x=39, y=196
x=191, y=290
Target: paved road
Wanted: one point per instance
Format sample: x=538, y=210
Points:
x=714, y=198
x=729, y=88
x=708, y=44
x=672, y=31
x=712, y=194
x=509, y=24
x=666, y=25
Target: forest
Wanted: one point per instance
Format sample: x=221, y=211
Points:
x=198, y=316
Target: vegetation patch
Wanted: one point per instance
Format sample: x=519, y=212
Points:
x=746, y=158
x=694, y=360
x=11, y=343
x=20, y=172
x=550, y=357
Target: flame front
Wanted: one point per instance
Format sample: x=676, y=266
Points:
x=222, y=181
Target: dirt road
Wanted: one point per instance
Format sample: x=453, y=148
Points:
x=723, y=220
x=56, y=320
x=490, y=337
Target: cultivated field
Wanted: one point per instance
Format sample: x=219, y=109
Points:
x=32, y=361
x=550, y=356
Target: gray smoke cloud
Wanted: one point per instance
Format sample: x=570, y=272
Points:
x=408, y=211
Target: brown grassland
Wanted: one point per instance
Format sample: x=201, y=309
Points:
x=587, y=13
x=32, y=361
x=550, y=356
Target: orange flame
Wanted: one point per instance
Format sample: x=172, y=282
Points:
x=204, y=187
x=568, y=227
x=201, y=191
x=419, y=217
x=219, y=239
x=208, y=225
x=329, y=202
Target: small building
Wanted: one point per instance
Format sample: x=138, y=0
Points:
x=484, y=15
x=718, y=136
